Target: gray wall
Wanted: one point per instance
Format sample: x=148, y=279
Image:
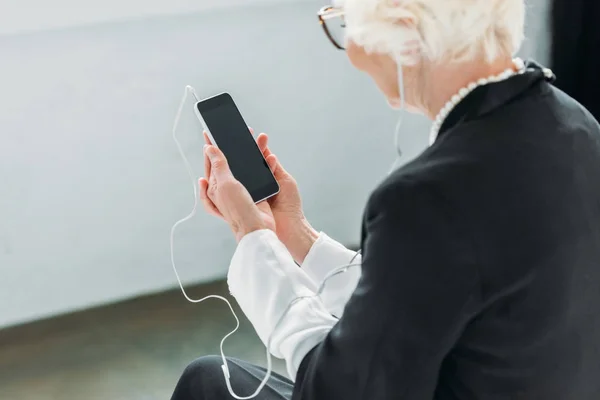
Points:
x=19, y=16
x=91, y=182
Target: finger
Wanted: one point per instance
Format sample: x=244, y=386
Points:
x=206, y=138
x=278, y=171
x=263, y=144
x=219, y=168
x=262, y=140
x=209, y=206
x=272, y=162
x=251, y=130
x=206, y=163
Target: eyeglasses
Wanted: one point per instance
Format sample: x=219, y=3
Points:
x=334, y=24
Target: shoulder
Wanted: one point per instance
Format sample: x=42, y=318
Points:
x=413, y=219
x=426, y=183
x=424, y=205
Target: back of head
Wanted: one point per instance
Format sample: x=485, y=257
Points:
x=441, y=30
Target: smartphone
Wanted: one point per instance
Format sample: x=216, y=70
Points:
x=228, y=131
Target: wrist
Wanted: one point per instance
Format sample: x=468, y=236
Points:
x=300, y=240
x=243, y=231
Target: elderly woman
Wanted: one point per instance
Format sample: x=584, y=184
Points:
x=480, y=270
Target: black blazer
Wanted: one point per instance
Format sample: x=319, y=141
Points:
x=481, y=268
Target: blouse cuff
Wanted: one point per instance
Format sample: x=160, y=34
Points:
x=325, y=256
x=278, y=298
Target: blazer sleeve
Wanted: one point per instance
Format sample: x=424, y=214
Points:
x=415, y=295
x=419, y=287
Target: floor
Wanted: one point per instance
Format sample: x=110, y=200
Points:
x=133, y=350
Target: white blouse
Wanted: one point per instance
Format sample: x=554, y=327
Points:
x=265, y=280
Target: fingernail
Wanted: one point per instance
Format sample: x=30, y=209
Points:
x=204, y=147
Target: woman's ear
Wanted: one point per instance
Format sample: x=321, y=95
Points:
x=411, y=49
x=408, y=21
x=401, y=14
x=404, y=21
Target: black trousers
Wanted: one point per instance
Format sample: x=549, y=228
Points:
x=203, y=380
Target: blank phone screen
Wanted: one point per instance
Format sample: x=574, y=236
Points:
x=232, y=136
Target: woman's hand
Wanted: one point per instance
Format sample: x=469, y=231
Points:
x=293, y=229
x=291, y=226
x=225, y=197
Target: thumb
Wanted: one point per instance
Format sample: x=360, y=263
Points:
x=218, y=162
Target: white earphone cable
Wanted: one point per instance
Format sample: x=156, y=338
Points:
x=191, y=90
x=225, y=367
x=400, y=118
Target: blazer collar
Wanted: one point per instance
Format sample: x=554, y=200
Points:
x=486, y=99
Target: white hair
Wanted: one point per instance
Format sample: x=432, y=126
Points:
x=449, y=30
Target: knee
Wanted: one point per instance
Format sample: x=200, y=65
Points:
x=203, y=369
x=201, y=380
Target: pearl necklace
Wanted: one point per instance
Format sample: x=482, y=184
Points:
x=518, y=64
